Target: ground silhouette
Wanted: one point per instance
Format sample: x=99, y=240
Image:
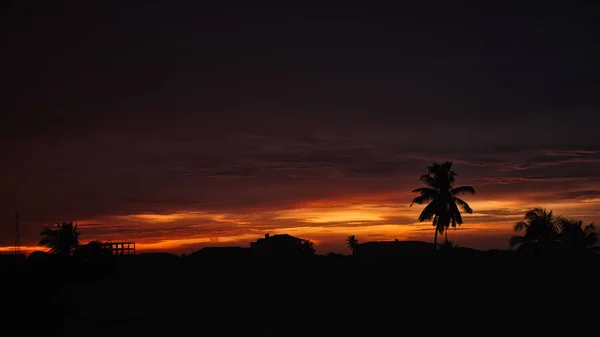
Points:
x=237, y=291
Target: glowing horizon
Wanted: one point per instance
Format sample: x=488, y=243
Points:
x=327, y=224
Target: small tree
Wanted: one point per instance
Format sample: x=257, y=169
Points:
x=62, y=239
x=540, y=230
x=577, y=236
x=352, y=242
x=307, y=247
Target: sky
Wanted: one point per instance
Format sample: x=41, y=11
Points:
x=181, y=125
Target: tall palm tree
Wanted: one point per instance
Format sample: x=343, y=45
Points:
x=352, y=242
x=442, y=198
x=577, y=236
x=62, y=239
x=540, y=229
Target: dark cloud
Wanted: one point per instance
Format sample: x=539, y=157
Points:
x=580, y=195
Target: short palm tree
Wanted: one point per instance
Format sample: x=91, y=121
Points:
x=540, y=229
x=352, y=242
x=307, y=247
x=442, y=198
x=62, y=239
x=577, y=236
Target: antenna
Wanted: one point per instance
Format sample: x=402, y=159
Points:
x=17, y=236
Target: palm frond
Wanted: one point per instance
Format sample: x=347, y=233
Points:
x=536, y=213
x=426, y=191
x=427, y=180
x=463, y=190
x=422, y=199
x=44, y=242
x=521, y=226
x=440, y=228
x=456, y=216
x=446, y=166
x=463, y=204
x=427, y=213
x=425, y=216
x=61, y=239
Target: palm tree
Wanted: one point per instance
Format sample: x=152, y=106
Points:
x=307, y=247
x=577, y=236
x=539, y=229
x=352, y=242
x=442, y=198
x=62, y=239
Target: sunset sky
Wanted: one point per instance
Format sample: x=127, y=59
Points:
x=182, y=126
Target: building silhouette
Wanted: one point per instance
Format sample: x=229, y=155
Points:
x=279, y=244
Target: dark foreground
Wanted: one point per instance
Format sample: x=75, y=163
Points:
x=494, y=293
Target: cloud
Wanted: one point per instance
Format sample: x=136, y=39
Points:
x=580, y=195
x=570, y=153
x=261, y=173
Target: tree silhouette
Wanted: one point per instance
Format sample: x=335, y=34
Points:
x=62, y=239
x=540, y=229
x=442, y=198
x=307, y=247
x=578, y=237
x=352, y=242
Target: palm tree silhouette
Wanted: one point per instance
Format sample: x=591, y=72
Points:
x=540, y=229
x=441, y=198
x=352, y=242
x=307, y=247
x=577, y=236
x=62, y=239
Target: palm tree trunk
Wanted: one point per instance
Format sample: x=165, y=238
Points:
x=435, y=238
x=446, y=233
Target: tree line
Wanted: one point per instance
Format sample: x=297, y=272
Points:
x=540, y=230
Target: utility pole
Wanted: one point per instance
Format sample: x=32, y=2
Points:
x=17, y=236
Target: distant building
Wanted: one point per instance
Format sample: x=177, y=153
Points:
x=279, y=244
x=378, y=249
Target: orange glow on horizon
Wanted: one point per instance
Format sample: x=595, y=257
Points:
x=326, y=223
x=326, y=215
x=23, y=249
